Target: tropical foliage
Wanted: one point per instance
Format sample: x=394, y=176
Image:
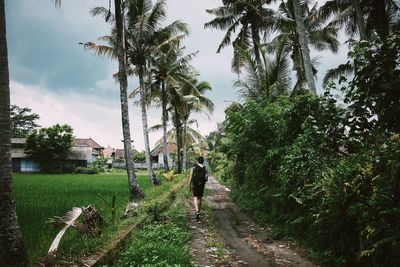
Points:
x=23, y=121
x=324, y=173
x=50, y=146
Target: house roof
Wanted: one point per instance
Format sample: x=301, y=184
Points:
x=108, y=151
x=87, y=142
x=119, y=153
x=171, y=147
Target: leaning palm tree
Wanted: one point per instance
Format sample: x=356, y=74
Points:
x=305, y=51
x=12, y=249
x=247, y=17
x=321, y=36
x=144, y=35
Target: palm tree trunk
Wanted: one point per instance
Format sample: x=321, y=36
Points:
x=134, y=189
x=360, y=20
x=184, y=161
x=143, y=97
x=164, y=125
x=178, y=140
x=12, y=249
x=256, y=43
x=304, y=45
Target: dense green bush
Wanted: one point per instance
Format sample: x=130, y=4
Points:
x=324, y=173
x=86, y=170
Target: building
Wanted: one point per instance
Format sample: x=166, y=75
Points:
x=157, y=154
x=85, y=149
x=20, y=160
x=83, y=152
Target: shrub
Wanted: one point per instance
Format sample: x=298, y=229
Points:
x=86, y=170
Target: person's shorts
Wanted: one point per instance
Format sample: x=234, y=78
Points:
x=198, y=190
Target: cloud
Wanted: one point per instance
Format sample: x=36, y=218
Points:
x=89, y=116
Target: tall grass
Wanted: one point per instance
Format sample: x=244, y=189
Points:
x=40, y=196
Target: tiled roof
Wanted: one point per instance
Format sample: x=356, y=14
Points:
x=119, y=153
x=108, y=151
x=171, y=147
x=87, y=142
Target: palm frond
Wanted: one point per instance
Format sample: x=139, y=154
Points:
x=336, y=73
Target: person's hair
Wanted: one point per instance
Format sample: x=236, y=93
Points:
x=200, y=160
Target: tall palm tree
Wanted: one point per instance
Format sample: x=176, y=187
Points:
x=320, y=35
x=144, y=36
x=305, y=51
x=116, y=49
x=12, y=249
x=134, y=189
x=249, y=18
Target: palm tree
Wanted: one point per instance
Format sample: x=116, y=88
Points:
x=169, y=69
x=271, y=78
x=367, y=18
x=144, y=36
x=363, y=17
x=195, y=102
x=321, y=36
x=116, y=49
x=249, y=18
x=134, y=189
x=305, y=51
x=12, y=249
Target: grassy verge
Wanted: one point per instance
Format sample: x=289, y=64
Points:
x=161, y=241
x=40, y=196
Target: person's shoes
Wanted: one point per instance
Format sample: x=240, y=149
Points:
x=197, y=217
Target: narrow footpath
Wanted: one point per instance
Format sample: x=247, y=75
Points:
x=230, y=238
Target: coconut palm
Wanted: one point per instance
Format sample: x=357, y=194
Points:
x=134, y=189
x=248, y=18
x=271, y=78
x=367, y=18
x=321, y=36
x=12, y=249
x=196, y=101
x=10, y=242
x=303, y=40
x=144, y=35
x=116, y=49
x=169, y=70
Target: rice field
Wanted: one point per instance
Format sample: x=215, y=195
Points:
x=41, y=196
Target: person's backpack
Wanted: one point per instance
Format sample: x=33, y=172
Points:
x=199, y=175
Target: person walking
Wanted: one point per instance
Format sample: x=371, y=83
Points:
x=197, y=181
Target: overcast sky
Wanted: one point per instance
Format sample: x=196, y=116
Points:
x=55, y=77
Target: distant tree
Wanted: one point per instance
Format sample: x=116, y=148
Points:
x=23, y=121
x=139, y=156
x=49, y=146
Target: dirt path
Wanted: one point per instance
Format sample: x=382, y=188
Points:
x=240, y=241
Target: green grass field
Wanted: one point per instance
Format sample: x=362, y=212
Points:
x=40, y=196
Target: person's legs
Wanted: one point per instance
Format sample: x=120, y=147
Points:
x=199, y=204
x=196, y=203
